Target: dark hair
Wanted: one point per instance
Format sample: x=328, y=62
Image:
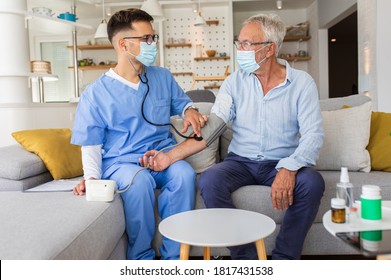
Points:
x=122, y=20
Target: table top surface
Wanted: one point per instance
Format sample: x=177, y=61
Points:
x=360, y=224
x=217, y=227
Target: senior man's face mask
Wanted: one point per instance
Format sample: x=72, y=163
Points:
x=247, y=60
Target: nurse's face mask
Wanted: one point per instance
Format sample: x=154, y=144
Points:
x=148, y=48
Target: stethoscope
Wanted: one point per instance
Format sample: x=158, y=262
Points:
x=145, y=82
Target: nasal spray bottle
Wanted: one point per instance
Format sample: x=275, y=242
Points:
x=345, y=191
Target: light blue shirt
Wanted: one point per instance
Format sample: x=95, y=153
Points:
x=284, y=125
x=109, y=114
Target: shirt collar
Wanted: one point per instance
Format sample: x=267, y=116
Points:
x=288, y=68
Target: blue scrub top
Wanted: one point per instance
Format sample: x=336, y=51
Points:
x=109, y=113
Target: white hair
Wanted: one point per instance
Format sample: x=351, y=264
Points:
x=272, y=26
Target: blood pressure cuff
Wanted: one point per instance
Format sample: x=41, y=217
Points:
x=213, y=128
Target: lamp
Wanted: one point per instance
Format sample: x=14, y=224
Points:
x=194, y=8
x=108, y=11
x=199, y=21
x=153, y=8
x=279, y=4
x=101, y=31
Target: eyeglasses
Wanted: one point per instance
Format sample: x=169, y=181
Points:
x=148, y=38
x=247, y=45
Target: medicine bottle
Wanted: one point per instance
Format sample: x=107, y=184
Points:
x=371, y=203
x=345, y=188
x=338, y=214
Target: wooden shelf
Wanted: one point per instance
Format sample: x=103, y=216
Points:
x=94, y=67
x=182, y=73
x=93, y=47
x=210, y=22
x=296, y=38
x=177, y=45
x=296, y=58
x=211, y=58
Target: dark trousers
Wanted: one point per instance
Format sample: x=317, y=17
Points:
x=218, y=182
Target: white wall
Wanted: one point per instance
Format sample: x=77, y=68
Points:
x=383, y=55
x=332, y=11
x=15, y=117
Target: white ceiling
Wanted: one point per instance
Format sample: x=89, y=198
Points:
x=92, y=8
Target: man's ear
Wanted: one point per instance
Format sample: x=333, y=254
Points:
x=271, y=50
x=120, y=45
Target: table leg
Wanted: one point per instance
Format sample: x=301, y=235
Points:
x=207, y=253
x=184, y=251
x=383, y=257
x=261, y=250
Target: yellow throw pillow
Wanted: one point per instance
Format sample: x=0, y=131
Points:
x=62, y=159
x=379, y=146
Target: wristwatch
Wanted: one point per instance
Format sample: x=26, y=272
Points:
x=192, y=107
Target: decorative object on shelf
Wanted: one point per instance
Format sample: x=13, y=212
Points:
x=302, y=53
x=101, y=31
x=199, y=21
x=198, y=50
x=41, y=66
x=211, y=21
x=153, y=8
x=279, y=4
x=43, y=11
x=222, y=54
x=210, y=53
x=301, y=29
x=68, y=16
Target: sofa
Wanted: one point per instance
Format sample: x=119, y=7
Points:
x=59, y=225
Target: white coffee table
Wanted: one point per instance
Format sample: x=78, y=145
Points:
x=217, y=227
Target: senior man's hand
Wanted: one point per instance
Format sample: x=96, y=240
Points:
x=195, y=119
x=282, y=189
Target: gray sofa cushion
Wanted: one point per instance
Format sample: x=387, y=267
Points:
x=58, y=225
x=24, y=184
x=17, y=163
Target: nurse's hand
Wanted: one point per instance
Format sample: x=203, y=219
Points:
x=80, y=188
x=195, y=119
x=155, y=161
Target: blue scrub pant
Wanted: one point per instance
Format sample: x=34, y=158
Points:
x=177, y=185
x=218, y=182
